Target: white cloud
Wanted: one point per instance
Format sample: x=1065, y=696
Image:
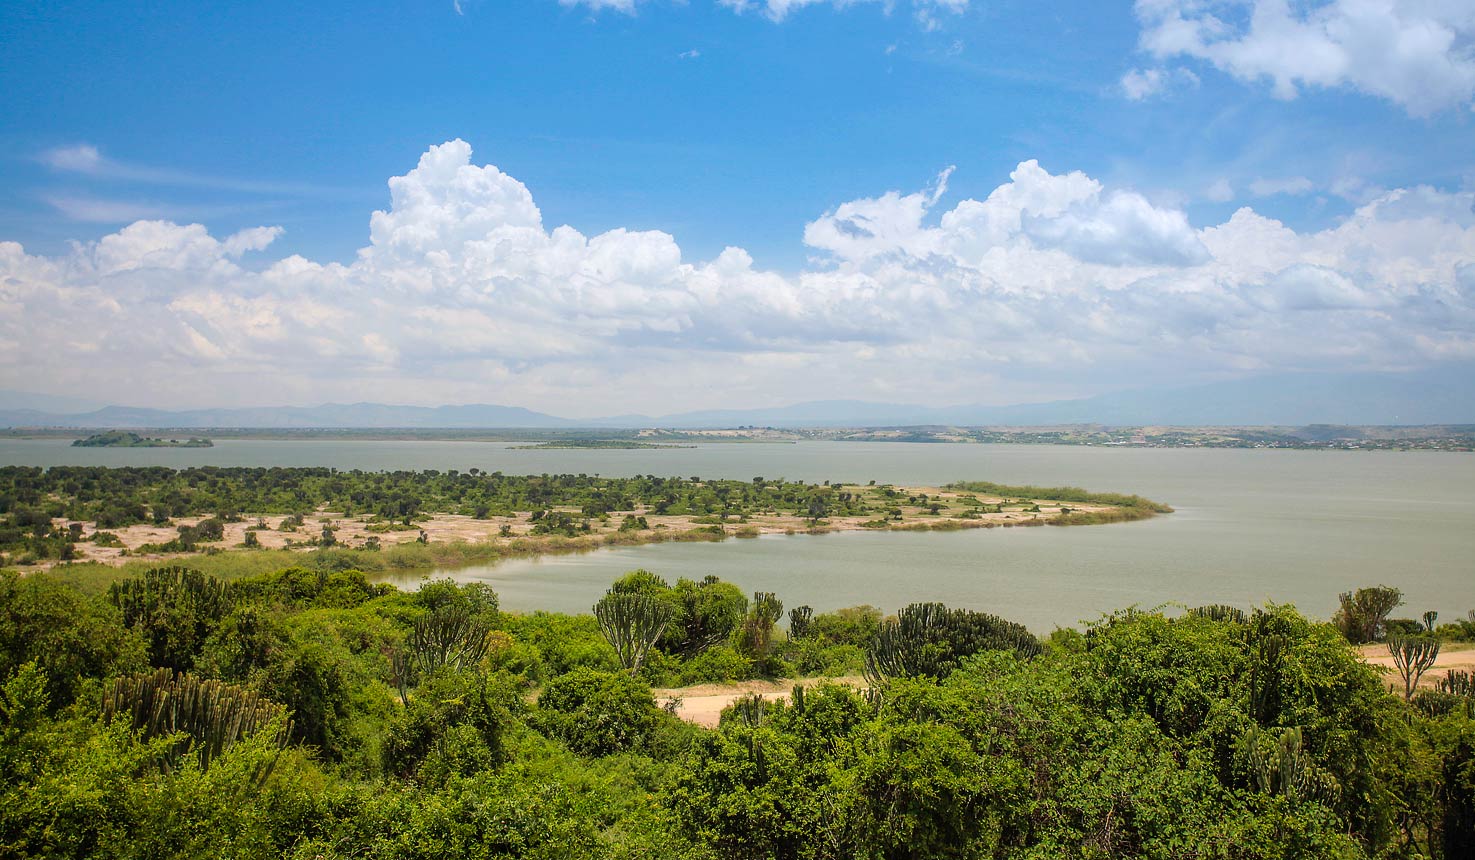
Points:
x=626, y=6
x=925, y=11
x=689, y=55
x=1220, y=191
x=1416, y=53
x=1293, y=185
x=82, y=158
x=464, y=294
x=1140, y=84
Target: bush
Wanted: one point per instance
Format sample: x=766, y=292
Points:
x=598, y=713
x=454, y=724
x=71, y=639
x=715, y=666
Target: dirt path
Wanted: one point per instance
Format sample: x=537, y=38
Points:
x=703, y=704
x=1452, y=656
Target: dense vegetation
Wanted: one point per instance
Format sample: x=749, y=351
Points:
x=309, y=713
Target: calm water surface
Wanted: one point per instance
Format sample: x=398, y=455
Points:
x=1251, y=526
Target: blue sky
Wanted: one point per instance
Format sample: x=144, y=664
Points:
x=740, y=125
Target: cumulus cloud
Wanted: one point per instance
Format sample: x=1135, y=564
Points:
x=1418, y=54
x=465, y=294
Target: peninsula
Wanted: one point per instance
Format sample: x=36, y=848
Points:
x=112, y=515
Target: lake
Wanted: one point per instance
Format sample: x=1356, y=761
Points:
x=1251, y=525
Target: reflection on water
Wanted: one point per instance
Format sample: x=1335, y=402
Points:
x=1251, y=526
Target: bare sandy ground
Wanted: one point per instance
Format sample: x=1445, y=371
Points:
x=1452, y=656
x=443, y=528
x=703, y=704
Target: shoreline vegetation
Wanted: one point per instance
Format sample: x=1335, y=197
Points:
x=121, y=439
x=89, y=517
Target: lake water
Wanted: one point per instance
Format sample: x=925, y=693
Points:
x=1251, y=525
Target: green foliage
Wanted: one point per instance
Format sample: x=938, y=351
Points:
x=453, y=725
x=801, y=622
x=200, y=717
x=1059, y=494
x=448, y=637
x=1218, y=734
x=632, y=623
x=598, y=713
x=928, y=639
x=715, y=666
x=756, y=639
x=1364, y=612
x=69, y=640
x=174, y=609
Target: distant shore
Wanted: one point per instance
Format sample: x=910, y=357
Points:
x=1451, y=437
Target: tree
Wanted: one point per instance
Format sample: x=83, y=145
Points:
x=1365, y=611
x=449, y=637
x=758, y=627
x=801, y=620
x=709, y=611
x=1413, y=655
x=632, y=623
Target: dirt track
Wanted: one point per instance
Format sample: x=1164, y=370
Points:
x=703, y=704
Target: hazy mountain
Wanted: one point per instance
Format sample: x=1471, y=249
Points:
x=1445, y=396
x=45, y=403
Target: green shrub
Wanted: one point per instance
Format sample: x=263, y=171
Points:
x=598, y=713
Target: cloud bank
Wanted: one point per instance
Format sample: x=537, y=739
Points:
x=1051, y=284
x=1419, y=54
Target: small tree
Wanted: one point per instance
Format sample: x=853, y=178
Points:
x=757, y=636
x=1413, y=655
x=1429, y=618
x=449, y=636
x=1365, y=611
x=632, y=623
x=801, y=620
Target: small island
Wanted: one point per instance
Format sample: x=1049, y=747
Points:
x=121, y=439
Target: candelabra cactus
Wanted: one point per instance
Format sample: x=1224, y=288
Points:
x=632, y=623
x=211, y=716
x=930, y=639
x=1413, y=655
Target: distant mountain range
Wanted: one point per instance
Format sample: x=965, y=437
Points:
x=1444, y=396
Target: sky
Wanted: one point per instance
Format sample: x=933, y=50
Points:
x=594, y=207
